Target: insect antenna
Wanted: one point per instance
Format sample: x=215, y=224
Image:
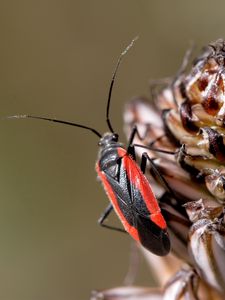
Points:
x=113, y=80
x=107, y=108
x=56, y=121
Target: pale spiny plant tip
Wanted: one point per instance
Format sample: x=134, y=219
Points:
x=186, y=115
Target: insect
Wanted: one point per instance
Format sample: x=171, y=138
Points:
x=125, y=184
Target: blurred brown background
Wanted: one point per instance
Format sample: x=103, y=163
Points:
x=56, y=59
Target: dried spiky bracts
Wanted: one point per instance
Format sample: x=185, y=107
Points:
x=207, y=242
x=183, y=285
x=185, y=121
x=193, y=110
x=187, y=117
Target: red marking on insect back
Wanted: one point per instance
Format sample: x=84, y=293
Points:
x=159, y=220
x=139, y=180
x=109, y=191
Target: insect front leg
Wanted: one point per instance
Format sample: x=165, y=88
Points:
x=104, y=216
x=135, y=132
x=130, y=148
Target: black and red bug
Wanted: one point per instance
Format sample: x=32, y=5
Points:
x=128, y=189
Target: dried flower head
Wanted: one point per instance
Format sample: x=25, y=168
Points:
x=186, y=116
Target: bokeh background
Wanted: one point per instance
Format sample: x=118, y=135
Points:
x=56, y=59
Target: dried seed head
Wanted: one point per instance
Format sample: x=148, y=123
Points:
x=188, y=117
x=198, y=120
x=207, y=244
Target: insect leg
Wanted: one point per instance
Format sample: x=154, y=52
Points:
x=131, y=152
x=150, y=146
x=144, y=160
x=103, y=217
x=130, y=148
x=132, y=135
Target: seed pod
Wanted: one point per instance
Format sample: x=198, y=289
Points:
x=207, y=242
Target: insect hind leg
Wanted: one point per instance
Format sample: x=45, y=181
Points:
x=104, y=216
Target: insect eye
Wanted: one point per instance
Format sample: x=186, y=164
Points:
x=115, y=137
